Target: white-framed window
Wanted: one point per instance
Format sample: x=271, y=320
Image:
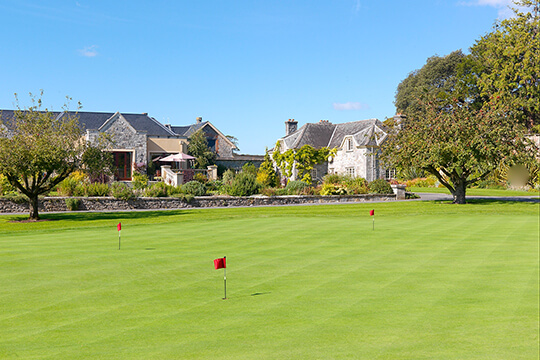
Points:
x=313, y=174
x=390, y=174
x=349, y=144
x=350, y=171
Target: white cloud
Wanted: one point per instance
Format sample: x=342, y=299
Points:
x=350, y=106
x=89, y=51
x=503, y=6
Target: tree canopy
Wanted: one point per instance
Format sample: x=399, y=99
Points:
x=198, y=147
x=457, y=143
x=40, y=150
x=440, y=77
x=509, y=60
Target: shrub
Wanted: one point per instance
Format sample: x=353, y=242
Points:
x=380, y=186
x=333, y=179
x=97, y=189
x=249, y=168
x=70, y=186
x=356, y=185
x=174, y=190
x=186, y=197
x=121, y=191
x=266, y=175
x=203, y=179
x=429, y=181
x=244, y=184
x=295, y=187
x=194, y=188
x=16, y=198
x=73, y=204
x=269, y=191
x=159, y=189
x=79, y=176
x=333, y=189
x=139, y=181
x=228, y=177
x=214, y=185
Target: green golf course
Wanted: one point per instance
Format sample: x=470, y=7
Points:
x=432, y=280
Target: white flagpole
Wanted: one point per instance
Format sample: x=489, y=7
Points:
x=225, y=278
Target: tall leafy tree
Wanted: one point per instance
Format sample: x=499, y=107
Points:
x=441, y=77
x=198, y=147
x=458, y=143
x=40, y=150
x=510, y=60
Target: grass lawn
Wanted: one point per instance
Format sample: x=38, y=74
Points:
x=476, y=192
x=432, y=281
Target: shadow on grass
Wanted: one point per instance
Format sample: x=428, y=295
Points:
x=486, y=201
x=91, y=216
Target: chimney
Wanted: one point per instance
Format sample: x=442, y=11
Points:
x=145, y=114
x=290, y=126
x=325, y=122
x=199, y=120
x=399, y=121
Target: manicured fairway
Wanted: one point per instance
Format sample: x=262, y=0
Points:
x=433, y=281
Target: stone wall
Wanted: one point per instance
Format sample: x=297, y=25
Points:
x=50, y=204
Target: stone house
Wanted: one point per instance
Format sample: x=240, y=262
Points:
x=357, y=144
x=138, y=139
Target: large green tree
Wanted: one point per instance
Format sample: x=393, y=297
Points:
x=39, y=150
x=458, y=143
x=510, y=61
x=442, y=77
x=198, y=147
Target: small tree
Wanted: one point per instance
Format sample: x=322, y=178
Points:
x=267, y=174
x=98, y=163
x=198, y=147
x=41, y=150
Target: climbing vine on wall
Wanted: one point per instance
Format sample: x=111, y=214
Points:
x=303, y=160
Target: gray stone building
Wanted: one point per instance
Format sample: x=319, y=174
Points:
x=357, y=144
x=137, y=139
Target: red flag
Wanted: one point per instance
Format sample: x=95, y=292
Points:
x=220, y=263
x=119, y=226
x=371, y=212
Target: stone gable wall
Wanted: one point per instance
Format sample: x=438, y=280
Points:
x=357, y=158
x=124, y=138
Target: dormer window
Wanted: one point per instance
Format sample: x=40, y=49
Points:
x=349, y=144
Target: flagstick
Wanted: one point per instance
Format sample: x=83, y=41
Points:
x=225, y=278
x=374, y=223
x=119, y=237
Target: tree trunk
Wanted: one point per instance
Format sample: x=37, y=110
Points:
x=459, y=192
x=34, y=202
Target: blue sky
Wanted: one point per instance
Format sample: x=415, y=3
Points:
x=246, y=66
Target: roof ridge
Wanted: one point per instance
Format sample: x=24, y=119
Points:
x=303, y=131
x=161, y=125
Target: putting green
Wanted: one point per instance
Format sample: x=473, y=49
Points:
x=432, y=281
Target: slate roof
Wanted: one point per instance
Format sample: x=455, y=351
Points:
x=189, y=129
x=365, y=132
x=94, y=120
